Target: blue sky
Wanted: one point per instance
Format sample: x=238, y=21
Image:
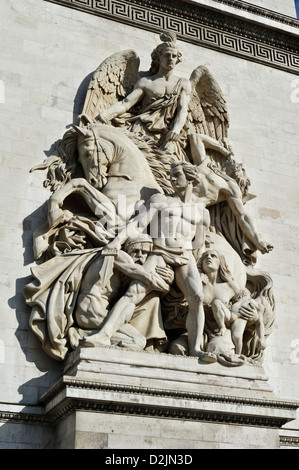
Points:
x=297, y=7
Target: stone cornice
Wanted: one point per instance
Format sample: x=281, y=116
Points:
x=206, y=27
x=38, y=419
x=289, y=441
x=67, y=381
x=260, y=11
x=70, y=394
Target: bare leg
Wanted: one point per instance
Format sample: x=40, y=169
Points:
x=120, y=314
x=198, y=150
x=189, y=281
x=221, y=313
x=237, y=329
x=123, y=310
x=260, y=329
x=213, y=144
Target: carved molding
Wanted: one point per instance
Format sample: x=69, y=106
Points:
x=87, y=384
x=205, y=27
x=23, y=418
x=158, y=412
x=75, y=403
x=260, y=11
x=289, y=441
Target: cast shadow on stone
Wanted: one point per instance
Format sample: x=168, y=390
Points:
x=80, y=97
x=29, y=344
x=33, y=389
x=26, y=431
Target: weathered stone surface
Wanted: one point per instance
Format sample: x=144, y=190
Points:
x=120, y=398
x=47, y=55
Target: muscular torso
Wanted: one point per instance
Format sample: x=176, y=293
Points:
x=157, y=88
x=175, y=223
x=211, y=188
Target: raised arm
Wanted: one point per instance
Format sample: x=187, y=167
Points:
x=234, y=199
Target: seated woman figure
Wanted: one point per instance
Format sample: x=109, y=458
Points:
x=225, y=298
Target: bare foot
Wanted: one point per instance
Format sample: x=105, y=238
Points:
x=95, y=341
x=205, y=356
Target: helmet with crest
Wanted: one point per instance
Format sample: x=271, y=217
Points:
x=168, y=41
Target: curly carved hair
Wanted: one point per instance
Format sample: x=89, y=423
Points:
x=191, y=172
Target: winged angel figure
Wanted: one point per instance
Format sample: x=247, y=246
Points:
x=171, y=118
x=160, y=109
x=134, y=126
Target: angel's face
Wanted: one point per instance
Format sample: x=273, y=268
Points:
x=169, y=58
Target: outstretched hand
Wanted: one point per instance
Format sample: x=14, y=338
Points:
x=265, y=247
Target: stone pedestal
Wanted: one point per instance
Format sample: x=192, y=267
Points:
x=115, y=399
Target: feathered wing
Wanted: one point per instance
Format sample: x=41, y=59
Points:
x=114, y=79
x=207, y=109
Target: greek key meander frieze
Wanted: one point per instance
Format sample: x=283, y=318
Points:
x=203, y=27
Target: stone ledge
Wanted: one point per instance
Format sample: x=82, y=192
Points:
x=22, y=414
x=289, y=438
x=159, y=385
x=250, y=9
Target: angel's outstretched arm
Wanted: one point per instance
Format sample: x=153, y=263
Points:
x=121, y=107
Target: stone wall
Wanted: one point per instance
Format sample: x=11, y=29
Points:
x=48, y=53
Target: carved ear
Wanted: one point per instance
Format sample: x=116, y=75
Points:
x=81, y=131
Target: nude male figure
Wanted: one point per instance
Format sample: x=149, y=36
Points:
x=212, y=188
x=184, y=220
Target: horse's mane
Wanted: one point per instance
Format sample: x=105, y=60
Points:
x=158, y=161
x=62, y=168
x=63, y=163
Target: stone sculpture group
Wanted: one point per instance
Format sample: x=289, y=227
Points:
x=147, y=243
